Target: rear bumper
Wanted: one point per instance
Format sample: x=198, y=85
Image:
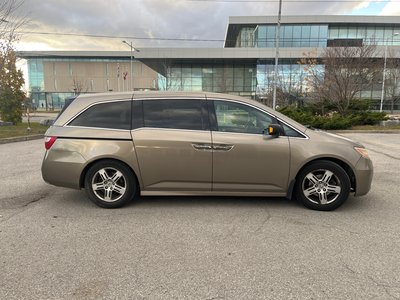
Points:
x=364, y=173
x=63, y=168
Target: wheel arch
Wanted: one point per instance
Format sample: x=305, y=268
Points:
x=345, y=166
x=89, y=165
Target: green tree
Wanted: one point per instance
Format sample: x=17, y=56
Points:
x=11, y=79
x=11, y=94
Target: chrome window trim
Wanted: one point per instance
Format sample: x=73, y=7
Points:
x=91, y=105
x=169, y=98
x=174, y=129
x=266, y=112
x=98, y=128
x=259, y=134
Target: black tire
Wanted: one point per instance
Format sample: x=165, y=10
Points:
x=322, y=185
x=116, y=183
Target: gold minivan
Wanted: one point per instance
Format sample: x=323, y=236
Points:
x=119, y=145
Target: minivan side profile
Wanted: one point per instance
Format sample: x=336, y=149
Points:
x=119, y=145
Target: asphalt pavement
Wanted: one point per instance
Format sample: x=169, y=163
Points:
x=55, y=244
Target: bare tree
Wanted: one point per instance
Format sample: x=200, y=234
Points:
x=164, y=81
x=290, y=87
x=222, y=78
x=169, y=80
x=345, y=72
x=79, y=86
x=264, y=88
x=10, y=22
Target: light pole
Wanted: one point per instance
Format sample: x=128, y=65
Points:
x=132, y=57
x=384, y=69
x=277, y=38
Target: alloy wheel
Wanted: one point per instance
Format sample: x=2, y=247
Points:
x=109, y=184
x=321, y=186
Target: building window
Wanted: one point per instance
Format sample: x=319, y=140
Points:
x=224, y=78
x=379, y=35
x=291, y=36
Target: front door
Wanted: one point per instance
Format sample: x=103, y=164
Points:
x=245, y=159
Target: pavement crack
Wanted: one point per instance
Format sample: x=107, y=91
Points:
x=339, y=229
x=40, y=197
x=266, y=219
x=232, y=226
x=230, y=233
x=384, y=286
x=14, y=203
x=347, y=267
x=383, y=153
x=136, y=265
x=21, y=201
x=296, y=221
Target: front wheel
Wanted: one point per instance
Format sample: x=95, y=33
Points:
x=110, y=184
x=323, y=185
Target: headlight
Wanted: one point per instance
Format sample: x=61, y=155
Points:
x=362, y=151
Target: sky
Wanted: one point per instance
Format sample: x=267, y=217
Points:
x=149, y=19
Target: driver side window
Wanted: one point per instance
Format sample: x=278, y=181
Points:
x=236, y=117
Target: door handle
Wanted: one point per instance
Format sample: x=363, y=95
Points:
x=222, y=147
x=202, y=146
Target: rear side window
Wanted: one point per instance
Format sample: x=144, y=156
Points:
x=115, y=115
x=177, y=114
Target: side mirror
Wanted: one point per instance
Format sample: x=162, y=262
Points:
x=275, y=130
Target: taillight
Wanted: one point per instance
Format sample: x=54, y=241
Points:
x=49, y=141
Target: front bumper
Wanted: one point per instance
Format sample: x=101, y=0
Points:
x=364, y=173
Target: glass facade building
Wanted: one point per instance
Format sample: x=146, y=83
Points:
x=379, y=34
x=291, y=78
x=291, y=36
x=234, y=78
x=312, y=35
x=244, y=66
x=40, y=98
x=316, y=35
x=52, y=79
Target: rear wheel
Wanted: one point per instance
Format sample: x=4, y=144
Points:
x=323, y=185
x=110, y=184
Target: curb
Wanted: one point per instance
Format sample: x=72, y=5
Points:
x=21, y=138
x=393, y=131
